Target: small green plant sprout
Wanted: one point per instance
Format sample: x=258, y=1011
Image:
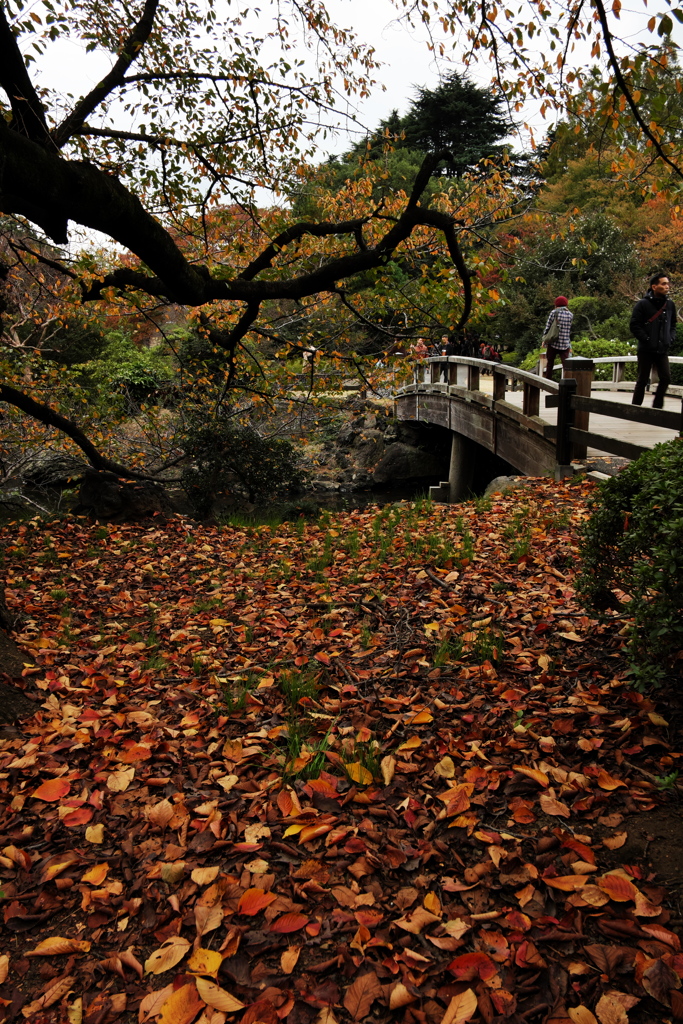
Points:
x=234, y=693
x=668, y=783
x=360, y=756
x=304, y=759
x=297, y=686
x=449, y=649
x=486, y=645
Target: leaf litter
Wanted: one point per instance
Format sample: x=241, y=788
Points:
x=377, y=765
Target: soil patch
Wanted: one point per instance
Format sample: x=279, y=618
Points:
x=656, y=838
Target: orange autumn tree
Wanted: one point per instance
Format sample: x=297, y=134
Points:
x=196, y=106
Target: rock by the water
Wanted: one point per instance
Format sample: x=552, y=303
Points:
x=110, y=497
x=369, y=449
x=53, y=469
x=503, y=483
x=402, y=462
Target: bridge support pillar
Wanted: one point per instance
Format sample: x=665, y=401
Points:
x=458, y=487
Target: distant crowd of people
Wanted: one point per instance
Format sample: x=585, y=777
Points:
x=462, y=343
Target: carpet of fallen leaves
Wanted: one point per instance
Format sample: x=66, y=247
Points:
x=375, y=766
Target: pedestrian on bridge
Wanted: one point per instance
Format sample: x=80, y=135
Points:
x=557, y=334
x=653, y=324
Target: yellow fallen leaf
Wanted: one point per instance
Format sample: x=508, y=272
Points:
x=411, y=744
x=227, y=782
x=204, y=961
x=387, y=766
x=217, y=997
x=204, y=876
x=94, y=834
x=359, y=774
x=289, y=958
x=167, y=955
x=120, y=780
x=432, y=903
x=445, y=768
x=657, y=719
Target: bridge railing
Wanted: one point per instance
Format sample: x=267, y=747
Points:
x=571, y=397
x=465, y=372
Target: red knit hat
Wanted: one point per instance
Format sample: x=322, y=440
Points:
x=561, y=301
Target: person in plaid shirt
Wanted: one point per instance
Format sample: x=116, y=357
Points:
x=562, y=345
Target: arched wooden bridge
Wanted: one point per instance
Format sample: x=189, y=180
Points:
x=537, y=425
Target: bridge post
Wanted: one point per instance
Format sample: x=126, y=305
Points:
x=461, y=470
x=583, y=372
x=565, y=421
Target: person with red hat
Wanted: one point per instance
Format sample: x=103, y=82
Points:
x=556, y=337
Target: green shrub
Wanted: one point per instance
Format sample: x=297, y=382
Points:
x=229, y=459
x=633, y=542
x=592, y=348
x=124, y=370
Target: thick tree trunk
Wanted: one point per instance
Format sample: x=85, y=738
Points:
x=14, y=705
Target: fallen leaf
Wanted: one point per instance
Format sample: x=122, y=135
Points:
x=461, y=1008
x=94, y=834
x=289, y=959
x=204, y=961
x=581, y=1015
x=57, y=990
x=52, y=790
x=358, y=773
x=217, y=997
x=181, y=1007
x=253, y=901
x=289, y=923
x=167, y=955
x=361, y=995
x=57, y=946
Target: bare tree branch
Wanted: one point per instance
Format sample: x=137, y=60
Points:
x=44, y=414
x=130, y=51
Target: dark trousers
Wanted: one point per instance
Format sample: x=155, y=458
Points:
x=646, y=360
x=551, y=353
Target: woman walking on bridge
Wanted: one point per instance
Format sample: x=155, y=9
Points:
x=556, y=336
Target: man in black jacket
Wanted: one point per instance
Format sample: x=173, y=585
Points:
x=653, y=323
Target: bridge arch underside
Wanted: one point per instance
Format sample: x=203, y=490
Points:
x=501, y=430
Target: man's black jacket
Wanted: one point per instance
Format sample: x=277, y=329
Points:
x=658, y=334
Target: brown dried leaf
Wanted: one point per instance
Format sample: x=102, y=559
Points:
x=461, y=1008
x=57, y=990
x=361, y=995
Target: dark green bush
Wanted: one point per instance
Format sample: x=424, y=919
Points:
x=633, y=542
x=230, y=459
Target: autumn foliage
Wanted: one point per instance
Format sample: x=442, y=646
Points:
x=377, y=765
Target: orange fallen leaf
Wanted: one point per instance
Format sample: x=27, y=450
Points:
x=182, y=1006
x=57, y=946
x=253, y=901
x=52, y=790
x=289, y=923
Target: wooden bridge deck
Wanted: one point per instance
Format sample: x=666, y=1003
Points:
x=623, y=430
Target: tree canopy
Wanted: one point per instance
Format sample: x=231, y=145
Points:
x=458, y=116
x=196, y=104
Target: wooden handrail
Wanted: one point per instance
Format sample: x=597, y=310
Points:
x=512, y=372
x=630, y=359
